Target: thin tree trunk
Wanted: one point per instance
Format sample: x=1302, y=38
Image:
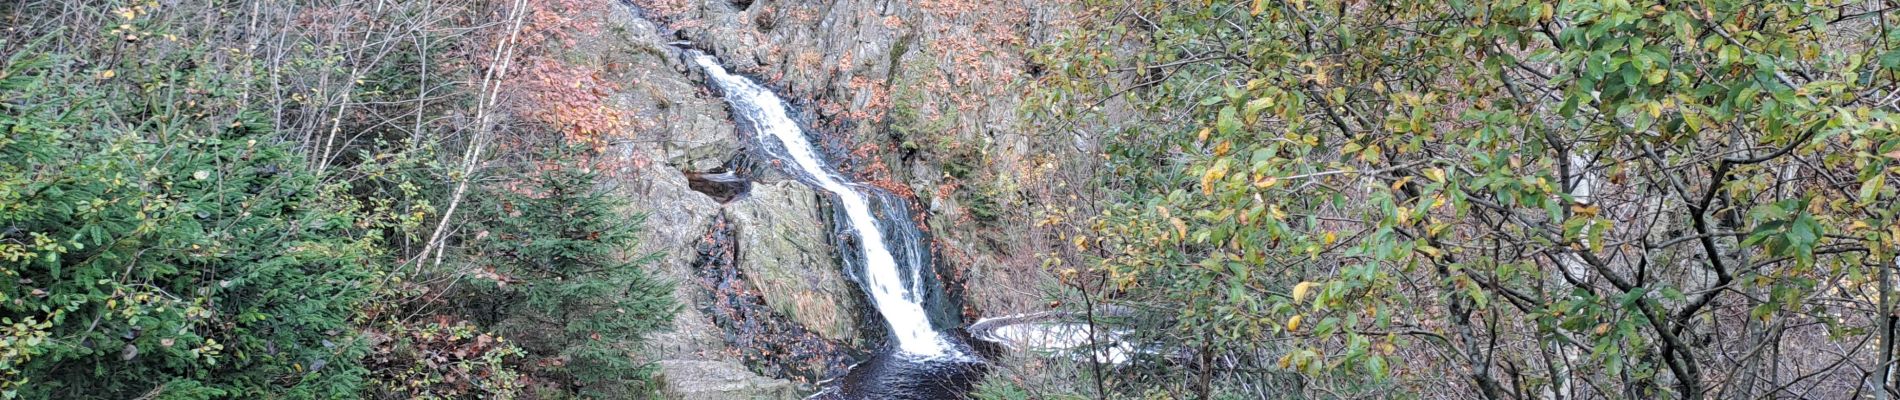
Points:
x=1884, y=369
x=484, y=109
x=1095, y=348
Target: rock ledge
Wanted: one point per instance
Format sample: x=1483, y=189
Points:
x=713, y=380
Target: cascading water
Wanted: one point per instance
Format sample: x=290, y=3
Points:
x=901, y=303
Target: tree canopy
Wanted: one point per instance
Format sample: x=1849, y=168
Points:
x=1623, y=199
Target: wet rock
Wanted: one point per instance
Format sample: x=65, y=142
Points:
x=721, y=186
x=784, y=252
x=714, y=380
x=765, y=340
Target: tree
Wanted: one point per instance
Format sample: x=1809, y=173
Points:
x=149, y=247
x=564, y=290
x=1582, y=199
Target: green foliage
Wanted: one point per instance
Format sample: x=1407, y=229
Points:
x=564, y=288
x=1412, y=192
x=156, y=247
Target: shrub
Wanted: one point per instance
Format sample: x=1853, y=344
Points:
x=151, y=245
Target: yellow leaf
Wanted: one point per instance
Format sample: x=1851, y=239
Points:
x=108, y=74
x=1266, y=182
x=1213, y=174
x=1299, y=290
x=1400, y=183
x=1330, y=238
x=1259, y=6
x=1203, y=135
x=1293, y=324
x=1436, y=175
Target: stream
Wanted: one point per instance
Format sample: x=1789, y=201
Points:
x=882, y=250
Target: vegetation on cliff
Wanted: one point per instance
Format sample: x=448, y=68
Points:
x=1580, y=199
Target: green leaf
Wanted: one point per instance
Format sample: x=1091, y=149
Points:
x=1890, y=59
x=1252, y=111
x=1870, y=190
x=1376, y=365
x=1656, y=76
x=1226, y=122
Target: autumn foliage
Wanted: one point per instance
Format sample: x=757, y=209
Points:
x=567, y=97
x=443, y=359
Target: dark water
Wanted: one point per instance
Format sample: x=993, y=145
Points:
x=890, y=376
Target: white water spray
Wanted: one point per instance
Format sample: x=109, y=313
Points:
x=905, y=313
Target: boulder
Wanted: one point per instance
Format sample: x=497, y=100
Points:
x=714, y=380
x=784, y=253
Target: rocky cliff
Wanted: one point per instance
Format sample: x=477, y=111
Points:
x=918, y=97
x=924, y=97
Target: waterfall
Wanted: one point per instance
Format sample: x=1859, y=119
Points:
x=901, y=305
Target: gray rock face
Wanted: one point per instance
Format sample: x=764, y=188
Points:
x=784, y=253
x=932, y=89
x=682, y=131
x=677, y=131
x=714, y=380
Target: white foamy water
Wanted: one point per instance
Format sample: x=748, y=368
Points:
x=1045, y=333
x=906, y=316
